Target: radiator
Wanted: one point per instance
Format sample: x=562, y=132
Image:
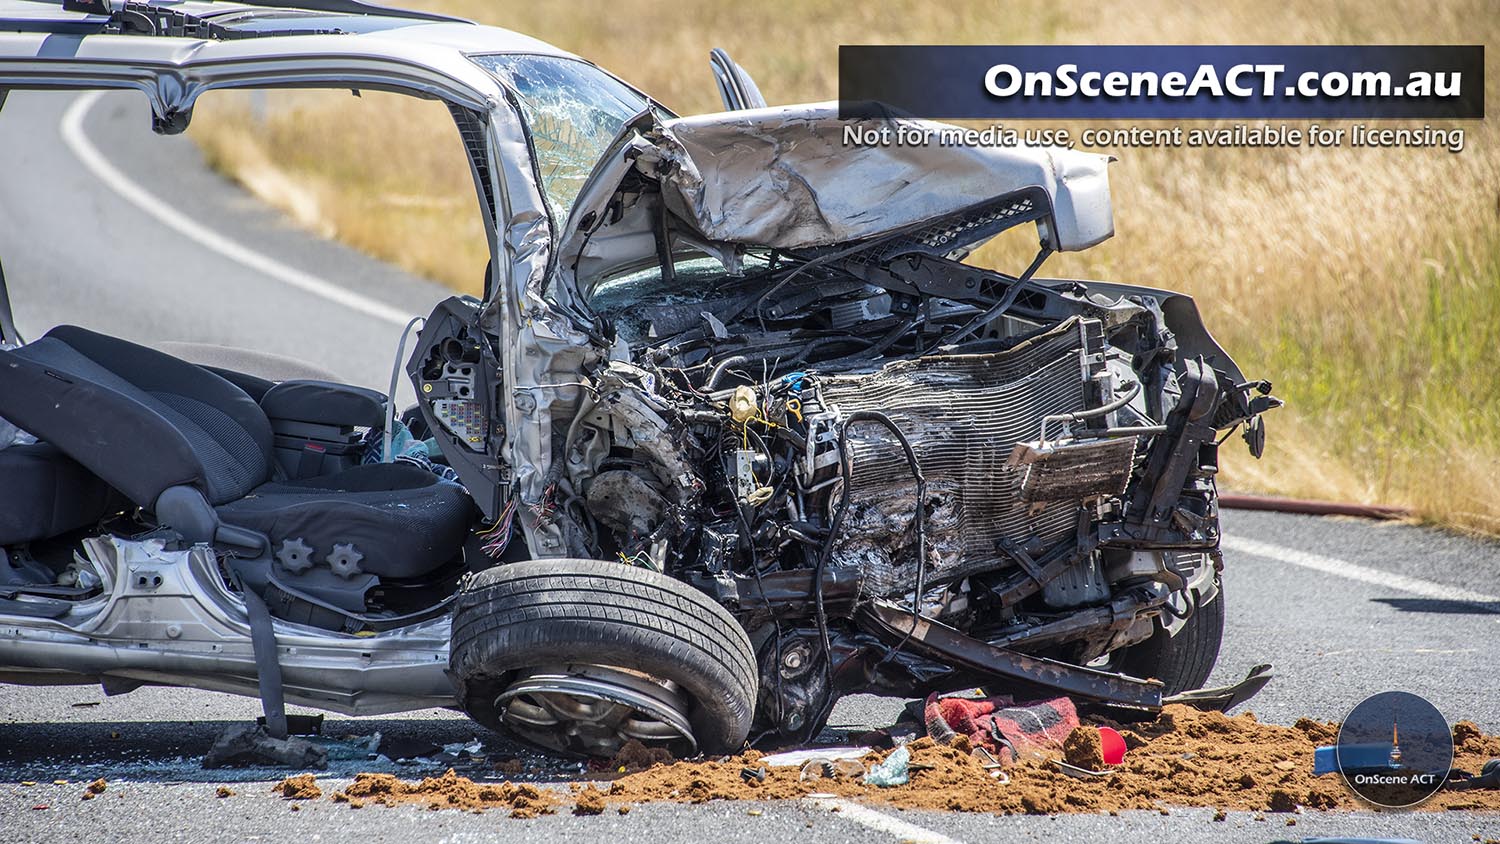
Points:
x=963, y=415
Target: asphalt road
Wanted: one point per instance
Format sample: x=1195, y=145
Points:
x=1343, y=608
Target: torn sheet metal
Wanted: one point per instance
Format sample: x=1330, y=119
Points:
x=784, y=177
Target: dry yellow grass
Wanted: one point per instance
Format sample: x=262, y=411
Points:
x=1365, y=283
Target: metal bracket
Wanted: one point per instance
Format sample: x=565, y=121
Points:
x=897, y=624
x=1225, y=698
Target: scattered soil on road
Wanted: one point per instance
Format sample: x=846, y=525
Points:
x=95, y=788
x=1184, y=758
x=589, y=801
x=300, y=787
x=449, y=791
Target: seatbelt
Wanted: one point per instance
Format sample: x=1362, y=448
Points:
x=267, y=663
x=310, y=464
x=8, y=332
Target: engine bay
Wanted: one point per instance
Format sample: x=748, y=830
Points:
x=802, y=437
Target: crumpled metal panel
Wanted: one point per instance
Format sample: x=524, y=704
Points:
x=783, y=177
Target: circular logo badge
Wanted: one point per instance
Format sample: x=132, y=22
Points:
x=1394, y=749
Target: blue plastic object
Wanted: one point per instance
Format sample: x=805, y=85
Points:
x=1356, y=757
x=1325, y=760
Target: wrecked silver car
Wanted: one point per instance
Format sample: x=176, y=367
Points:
x=733, y=432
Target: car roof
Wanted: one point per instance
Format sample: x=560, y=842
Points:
x=205, y=31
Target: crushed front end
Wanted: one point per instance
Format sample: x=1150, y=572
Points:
x=900, y=472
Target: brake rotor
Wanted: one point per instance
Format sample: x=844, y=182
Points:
x=594, y=710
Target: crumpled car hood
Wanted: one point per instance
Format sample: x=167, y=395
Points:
x=783, y=178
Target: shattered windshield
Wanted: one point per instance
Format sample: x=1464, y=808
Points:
x=573, y=111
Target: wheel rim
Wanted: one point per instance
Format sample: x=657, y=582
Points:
x=594, y=710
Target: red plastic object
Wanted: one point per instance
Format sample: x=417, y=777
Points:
x=1113, y=746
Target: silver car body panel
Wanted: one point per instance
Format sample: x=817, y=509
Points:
x=166, y=617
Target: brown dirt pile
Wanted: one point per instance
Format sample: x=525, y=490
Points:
x=1083, y=748
x=634, y=756
x=1185, y=758
x=589, y=801
x=449, y=791
x=300, y=787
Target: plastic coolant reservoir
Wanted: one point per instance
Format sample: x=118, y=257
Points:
x=742, y=405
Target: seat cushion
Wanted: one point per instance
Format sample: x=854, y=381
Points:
x=44, y=493
x=387, y=519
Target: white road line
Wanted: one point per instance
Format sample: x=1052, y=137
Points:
x=1364, y=574
x=908, y=833
x=71, y=128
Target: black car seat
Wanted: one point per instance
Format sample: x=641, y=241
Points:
x=188, y=445
x=44, y=493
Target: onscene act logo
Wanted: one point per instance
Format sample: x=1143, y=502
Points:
x=1394, y=749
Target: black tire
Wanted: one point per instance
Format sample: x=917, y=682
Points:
x=529, y=614
x=1182, y=662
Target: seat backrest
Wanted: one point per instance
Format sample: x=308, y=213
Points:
x=44, y=493
x=142, y=420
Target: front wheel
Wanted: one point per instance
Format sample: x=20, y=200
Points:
x=1182, y=661
x=582, y=656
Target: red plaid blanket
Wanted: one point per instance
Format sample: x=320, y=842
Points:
x=1005, y=728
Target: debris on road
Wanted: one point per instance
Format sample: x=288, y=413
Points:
x=94, y=789
x=1185, y=758
x=300, y=787
x=1112, y=745
x=799, y=758
x=250, y=744
x=589, y=801
x=449, y=791
x=1007, y=729
x=634, y=756
x=892, y=771
x=1082, y=749
x=820, y=767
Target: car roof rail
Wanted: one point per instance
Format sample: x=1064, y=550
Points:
x=113, y=8
x=355, y=7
